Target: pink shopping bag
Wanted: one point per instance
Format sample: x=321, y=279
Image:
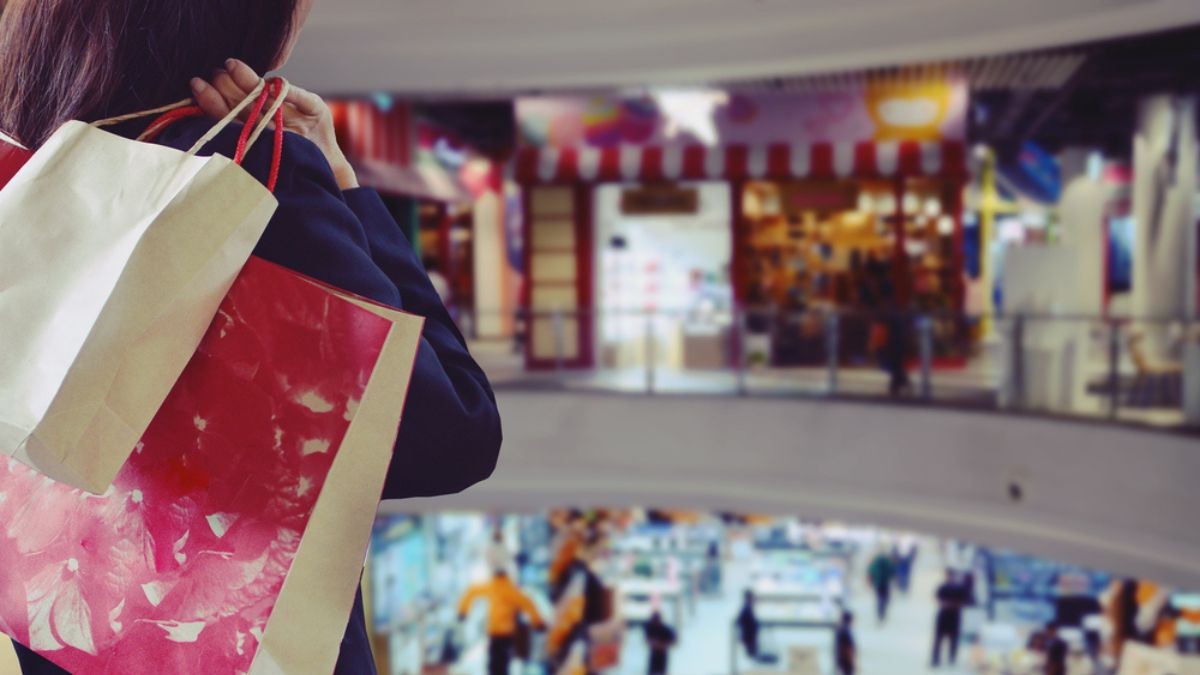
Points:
x=232, y=539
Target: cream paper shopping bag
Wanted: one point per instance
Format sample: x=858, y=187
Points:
x=305, y=628
x=114, y=256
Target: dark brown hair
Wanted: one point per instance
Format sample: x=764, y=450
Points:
x=91, y=59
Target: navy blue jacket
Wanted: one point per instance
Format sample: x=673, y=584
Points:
x=450, y=436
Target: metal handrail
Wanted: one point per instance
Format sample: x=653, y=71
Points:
x=1106, y=380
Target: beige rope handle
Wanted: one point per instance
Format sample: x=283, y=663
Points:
x=212, y=133
x=237, y=110
x=144, y=113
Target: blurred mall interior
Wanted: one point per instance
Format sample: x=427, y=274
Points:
x=914, y=281
x=813, y=301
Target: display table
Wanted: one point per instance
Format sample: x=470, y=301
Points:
x=783, y=620
x=769, y=590
x=637, y=599
x=705, y=347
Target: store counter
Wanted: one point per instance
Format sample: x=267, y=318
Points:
x=637, y=599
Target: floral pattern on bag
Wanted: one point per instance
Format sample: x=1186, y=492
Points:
x=178, y=566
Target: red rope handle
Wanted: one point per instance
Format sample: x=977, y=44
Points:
x=165, y=120
x=252, y=121
x=277, y=150
x=270, y=92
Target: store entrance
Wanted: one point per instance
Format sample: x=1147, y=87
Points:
x=853, y=248
x=664, y=294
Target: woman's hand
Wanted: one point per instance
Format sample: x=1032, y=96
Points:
x=304, y=112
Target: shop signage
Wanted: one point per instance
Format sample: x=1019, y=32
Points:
x=887, y=111
x=1035, y=173
x=660, y=200
x=821, y=196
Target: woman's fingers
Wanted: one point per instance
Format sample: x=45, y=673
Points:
x=232, y=91
x=305, y=102
x=242, y=75
x=211, y=101
x=231, y=85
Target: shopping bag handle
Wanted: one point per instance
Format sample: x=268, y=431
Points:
x=275, y=86
x=256, y=122
x=109, y=121
x=278, y=88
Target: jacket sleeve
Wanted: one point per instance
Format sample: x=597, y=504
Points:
x=449, y=437
x=473, y=593
x=526, y=605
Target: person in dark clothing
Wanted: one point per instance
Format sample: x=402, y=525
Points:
x=711, y=578
x=747, y=622
x=879, y=574
x=845, y=650
x=951, y=598
x=661, y=638
x=139, y=54
x=905, y=555
x=894, y=355
x=1125, y=614
x=1056, y=652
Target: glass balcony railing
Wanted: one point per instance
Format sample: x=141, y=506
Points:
x=1141, y=371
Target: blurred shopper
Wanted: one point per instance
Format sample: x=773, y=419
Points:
x=583, y=603
x=845, y=650
x=894, y=355
x=747, y=622
x=570, y=538
x=711, y=576
x=1122, y=611
x=888, y=338
x=661, y=638
x=880, y=573
x=1056, y=651
x=93, y=59
x=905, y=554
x=951, y=598
x=506, y=605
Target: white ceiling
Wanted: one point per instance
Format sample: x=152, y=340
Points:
x=478, y=46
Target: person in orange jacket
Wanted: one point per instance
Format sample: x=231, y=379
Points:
x=506, y=603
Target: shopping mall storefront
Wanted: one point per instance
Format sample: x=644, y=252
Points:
x=846, y=201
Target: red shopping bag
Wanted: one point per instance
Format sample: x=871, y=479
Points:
x=12, y=158
x=231, y=540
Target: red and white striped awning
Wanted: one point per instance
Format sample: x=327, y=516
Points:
x=780, y=161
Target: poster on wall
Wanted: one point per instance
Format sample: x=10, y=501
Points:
x=922, y=111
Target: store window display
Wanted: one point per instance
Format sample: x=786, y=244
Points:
x=664, y=259
x=855, y=247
